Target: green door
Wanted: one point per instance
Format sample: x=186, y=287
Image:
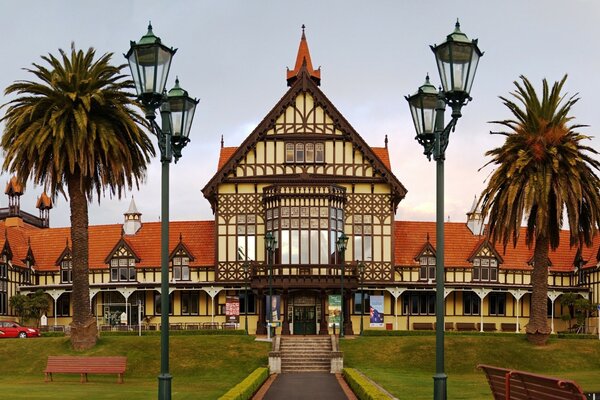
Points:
x=305, y=322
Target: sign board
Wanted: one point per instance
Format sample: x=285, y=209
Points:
x=273, y=306
x=232, y=309
x=376, y=312
x=335, y=309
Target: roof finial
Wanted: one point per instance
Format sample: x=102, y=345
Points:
x=427, y=237
x=180, y=237
x=222, y=141
x=386, y=141
x=303, y=62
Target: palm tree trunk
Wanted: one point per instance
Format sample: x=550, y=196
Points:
x=84, y=331
x=538, y=330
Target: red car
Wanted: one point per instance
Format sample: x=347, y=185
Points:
x=12, y=329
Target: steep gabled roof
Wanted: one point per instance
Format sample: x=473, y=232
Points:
x=122, y=243
x=305, y=85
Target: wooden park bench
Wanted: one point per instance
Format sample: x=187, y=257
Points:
x=509, y=384
x=466, y=326
x=423, y=326
x=85, y=366
x=487, y=327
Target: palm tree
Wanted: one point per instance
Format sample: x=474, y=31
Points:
x=76, y=127
x=542, y=170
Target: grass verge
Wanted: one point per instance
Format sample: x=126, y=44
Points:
x=406, y=364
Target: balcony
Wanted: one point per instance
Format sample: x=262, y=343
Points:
x=303, y=276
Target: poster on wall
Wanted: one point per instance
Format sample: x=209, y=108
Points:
x=376, y=318
x=335, y=310
x=232, y=309
x=273, y=307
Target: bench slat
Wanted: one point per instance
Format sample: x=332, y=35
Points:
x=520, y=385
x=86, y=365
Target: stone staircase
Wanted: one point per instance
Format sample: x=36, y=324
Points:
x=306, y=353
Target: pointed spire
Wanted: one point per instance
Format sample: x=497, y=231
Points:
x=13, y=187
x=473, y=206
x=303, y=64
x=44, y=202
x=132, y=207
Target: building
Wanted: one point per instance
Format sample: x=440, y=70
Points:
x=305, y=178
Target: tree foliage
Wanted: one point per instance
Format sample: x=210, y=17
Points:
x=30, y=307
x=542, y=172
x=76, y=126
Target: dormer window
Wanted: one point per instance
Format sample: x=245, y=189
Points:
x=427, y=261
x=485, y=263
x=427, y=268
x=180, y=262
x=66, y=270
x=181, y=268
x=485, y=269
x=122, y=266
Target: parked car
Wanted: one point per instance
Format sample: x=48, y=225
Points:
x=10, y=329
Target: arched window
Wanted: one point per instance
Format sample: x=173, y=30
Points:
x=289, y=152
x=319, y=152
x=299, y=152
x=310, y=152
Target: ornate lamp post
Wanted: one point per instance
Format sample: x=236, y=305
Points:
x=246, y=296
x=150, y=61
x=457, y=60
x=341, y=245
x=361, y=271
x=271, y=245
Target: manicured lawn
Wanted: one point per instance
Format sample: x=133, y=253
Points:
x=404, y=365
x=203, y=367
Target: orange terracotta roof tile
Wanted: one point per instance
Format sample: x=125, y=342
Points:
x=225, y=155
x=460, y=243
x=198, y=237
x=383, y=154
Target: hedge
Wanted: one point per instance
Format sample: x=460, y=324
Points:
x=246, y=388
x=362, y=387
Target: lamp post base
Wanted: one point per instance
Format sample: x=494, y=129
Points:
x=439, y=386
x=164, y=386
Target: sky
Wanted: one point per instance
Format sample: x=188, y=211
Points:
x=233, y=54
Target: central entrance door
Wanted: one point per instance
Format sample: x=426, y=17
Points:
x=305, y=321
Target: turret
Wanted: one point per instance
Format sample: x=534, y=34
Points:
x=133, y=219
x=475, y=219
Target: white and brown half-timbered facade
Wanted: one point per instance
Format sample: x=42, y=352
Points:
x=305, y=177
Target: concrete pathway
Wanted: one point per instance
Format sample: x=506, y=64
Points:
x=307, y=386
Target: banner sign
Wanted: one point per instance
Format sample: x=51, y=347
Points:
x=376, y=318
x=232, y=309
x=335, y=309
x=273, y=307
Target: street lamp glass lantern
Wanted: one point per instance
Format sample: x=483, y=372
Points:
x=342, y=243
x=270, y=241
x=457, y=59
x=422, y=108
x=150, y=61
x=182, y=108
